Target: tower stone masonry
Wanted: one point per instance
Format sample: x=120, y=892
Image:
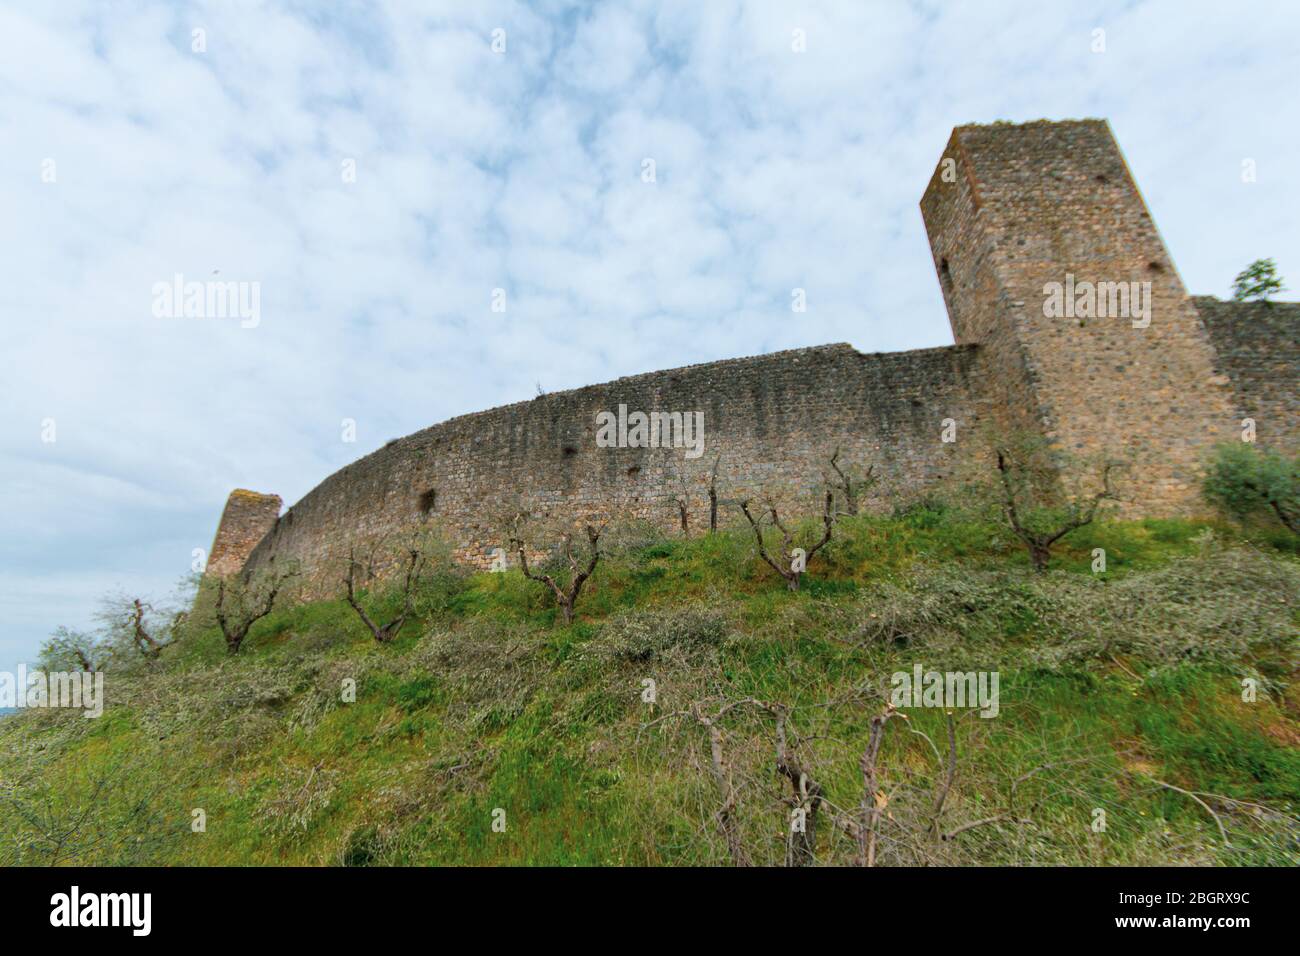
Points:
x=1043, y=203
x=247, y=517
x=1011, y=211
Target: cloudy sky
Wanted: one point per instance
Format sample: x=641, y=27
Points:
x=379, y=170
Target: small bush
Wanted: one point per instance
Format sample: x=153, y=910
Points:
x=923, y=514
x=1247, y=481
x=489, y=671
x=640, y=636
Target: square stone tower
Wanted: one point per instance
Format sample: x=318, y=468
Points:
x=1040, y=237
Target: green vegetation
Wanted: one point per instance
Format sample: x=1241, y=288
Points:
x=1257, y=281
x=1032, y=503
x=1249, y=483
x=1120, y=692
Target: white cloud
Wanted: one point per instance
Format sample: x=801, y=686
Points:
x=474, y=171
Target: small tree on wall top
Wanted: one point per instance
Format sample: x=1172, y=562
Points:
x=1257, y=282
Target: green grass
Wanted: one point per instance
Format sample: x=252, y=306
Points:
x=1114, y=688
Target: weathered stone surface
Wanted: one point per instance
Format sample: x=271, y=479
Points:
x=1259, y=346
x=1040, y=203
x=247, y=518
x=775, y=420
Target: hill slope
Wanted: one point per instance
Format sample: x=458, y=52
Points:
x=1121, y=735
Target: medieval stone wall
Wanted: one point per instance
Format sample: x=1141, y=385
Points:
x=774, y=420
x=1259, y=347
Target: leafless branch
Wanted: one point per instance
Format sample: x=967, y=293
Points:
x=234, y=614
x=713, y=495
x=566, y=597
x=873, y=798
x=789, y=568
x=1039, y=543
x=416, y=559
x=851, y=486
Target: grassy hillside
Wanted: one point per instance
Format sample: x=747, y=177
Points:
x=1120, y=701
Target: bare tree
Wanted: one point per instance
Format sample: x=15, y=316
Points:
x=713, y=495
x=415, y=559
x=567, y=596
x=682, y=498
x=1040, y=527
x=806, y=794
x=794, y=561
x=850, y=486
x=134, y=627
x=146, y=643
x=873, y=798
x=806, y=798
x=908, y=815
x=896, y=816
x=67, y=649
x=725, y=814
x=242, y=603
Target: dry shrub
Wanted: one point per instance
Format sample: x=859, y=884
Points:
x=637, y=637
x=489, y=669
x=941, y=600
x=324, y=691
x=1223, y=606
x=676, y=647
x=300, y=797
